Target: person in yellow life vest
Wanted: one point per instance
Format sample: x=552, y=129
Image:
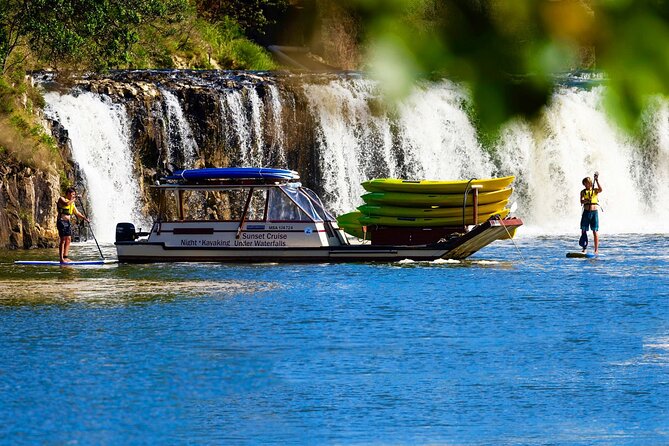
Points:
x=590, y=217
x=66, y=209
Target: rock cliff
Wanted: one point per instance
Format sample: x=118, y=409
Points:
x=27, y=198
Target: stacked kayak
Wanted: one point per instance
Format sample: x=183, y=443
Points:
x=420, y=204
x=436, y=187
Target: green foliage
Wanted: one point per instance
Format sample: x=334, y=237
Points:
x=98, y=35
x=20, y=124
x=198, y=43
x=74, y=31
x=7, y=94
x=26, y=217
x=251, y=15
x=234, y=50
x=507, y=52
x=65, y=182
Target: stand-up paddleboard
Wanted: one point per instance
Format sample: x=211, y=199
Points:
x=581, y=255
x=57, y=263
x=233, y=173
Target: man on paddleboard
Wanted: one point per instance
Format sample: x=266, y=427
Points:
x=66, y=209
x=590, y=203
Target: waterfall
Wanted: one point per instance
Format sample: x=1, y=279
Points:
x=430, y=136
x=350, y=134
x=276, y=112
x=179, y=134
x=98, y=132
x=573, y=139
x=254, y=125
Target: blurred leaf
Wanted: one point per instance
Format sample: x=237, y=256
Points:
x=507, y=53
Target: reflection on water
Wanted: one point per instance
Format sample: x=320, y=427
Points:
x=115, y=291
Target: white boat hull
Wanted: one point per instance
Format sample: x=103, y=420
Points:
x=300, y=243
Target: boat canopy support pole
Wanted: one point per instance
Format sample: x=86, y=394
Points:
x=475, y=202
x=246, y=211
x=180, y=205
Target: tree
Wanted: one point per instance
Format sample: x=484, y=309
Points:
x=95, y=32
x=251, y=15
x=508, y=52
x=12, y=28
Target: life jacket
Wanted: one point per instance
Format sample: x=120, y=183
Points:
x=66, y=210
x=590, y=195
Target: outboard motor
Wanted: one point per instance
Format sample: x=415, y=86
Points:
x=125, y=232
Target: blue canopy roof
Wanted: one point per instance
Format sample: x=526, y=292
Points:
x=236, y=173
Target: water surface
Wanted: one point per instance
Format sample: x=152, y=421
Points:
x=505, y=348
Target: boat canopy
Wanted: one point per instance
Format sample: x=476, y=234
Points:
x=287, y=202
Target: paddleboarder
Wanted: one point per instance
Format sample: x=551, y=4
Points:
x=66, y=209
x=590, y=217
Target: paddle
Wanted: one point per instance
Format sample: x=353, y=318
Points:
x=91, y=228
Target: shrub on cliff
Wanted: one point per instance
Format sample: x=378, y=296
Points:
x=79, y=32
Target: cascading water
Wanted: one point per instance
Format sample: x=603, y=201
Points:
x=355, y=136
x=179, y=134
x=433, y=138
x=572, y=140
x=98, y=131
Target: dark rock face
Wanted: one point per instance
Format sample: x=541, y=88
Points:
x=235, y=119
x=268, y=124
x=28, y=198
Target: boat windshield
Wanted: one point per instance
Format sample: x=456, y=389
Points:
x=318, y=205
x=282, y=207
x=296, y=194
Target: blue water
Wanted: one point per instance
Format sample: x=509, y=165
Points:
x=501, y=349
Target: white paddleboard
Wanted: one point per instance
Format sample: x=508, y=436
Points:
x=57, y=263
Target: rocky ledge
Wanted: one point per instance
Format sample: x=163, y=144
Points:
x=27, y=198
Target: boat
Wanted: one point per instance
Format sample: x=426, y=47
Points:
x=256, y=215
x=436, y=187
x=408, y=199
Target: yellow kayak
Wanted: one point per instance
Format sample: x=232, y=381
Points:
x=406, y=199
x=435, y=187
x=423, y=222
x=399, y=211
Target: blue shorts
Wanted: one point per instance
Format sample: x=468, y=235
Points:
x=64, y=228
x=590, y=219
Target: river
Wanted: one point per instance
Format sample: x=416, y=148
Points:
x=513, y=346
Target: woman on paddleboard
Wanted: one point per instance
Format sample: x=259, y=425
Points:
x=590, y=217
x=66, y=209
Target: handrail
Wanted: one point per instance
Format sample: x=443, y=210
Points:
x=246, y=211
x=464, y=201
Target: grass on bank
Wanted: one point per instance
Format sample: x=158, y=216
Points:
x=198, y=44
x=22, y=136
x=192, y=43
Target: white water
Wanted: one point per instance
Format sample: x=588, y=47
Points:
x=428, y=136
x=255, y=126
x=179, y=134
x=276, y=112
x=436, y=140
x=355, y=144
x=98, y=130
